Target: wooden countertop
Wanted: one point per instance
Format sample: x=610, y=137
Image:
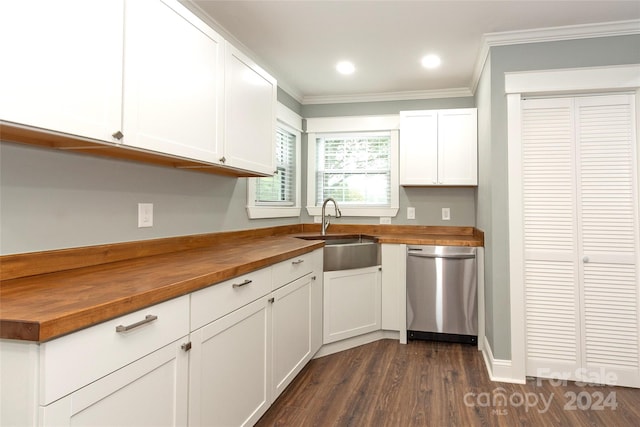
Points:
x=38, y=308
x=49, y=294
x=410, y=235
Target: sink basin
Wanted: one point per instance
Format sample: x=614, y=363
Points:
x=349, y=252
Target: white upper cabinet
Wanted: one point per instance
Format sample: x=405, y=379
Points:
x=173, y=81
x=147, y=74
x=419, y=147
x=250, y=114
x=62, y=65
x=439, y=147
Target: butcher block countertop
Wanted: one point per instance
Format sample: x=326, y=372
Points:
x=44, y=295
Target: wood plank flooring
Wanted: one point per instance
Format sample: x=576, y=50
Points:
x=438, y=384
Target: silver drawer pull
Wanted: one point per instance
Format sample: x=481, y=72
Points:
x=246, y=282
x=300, y=261
x=147, y=319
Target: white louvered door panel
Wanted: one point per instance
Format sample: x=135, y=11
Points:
x=609, y=236
x=551, y=296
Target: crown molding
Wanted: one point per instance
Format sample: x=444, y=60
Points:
x=570, y=32
x=387, y=96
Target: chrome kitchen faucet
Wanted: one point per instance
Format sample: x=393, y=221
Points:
x=325, y=218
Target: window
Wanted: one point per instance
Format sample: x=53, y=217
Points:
x=280, y=189
x=279, y=195
x=354, y=169
x=353, y=160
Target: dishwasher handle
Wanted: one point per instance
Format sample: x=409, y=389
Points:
x=448, y=256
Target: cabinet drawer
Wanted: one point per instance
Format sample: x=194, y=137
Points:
x=218, y=300
x=77, y=359
x=292, y=269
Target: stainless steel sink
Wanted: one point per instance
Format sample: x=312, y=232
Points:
x=349, y=252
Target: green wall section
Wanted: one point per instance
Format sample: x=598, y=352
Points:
x=428, y=201
x=383, y=107
x=493, y=212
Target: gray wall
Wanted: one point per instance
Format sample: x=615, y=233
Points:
x=51, y=199
x=483, y=195
x=383, y=107
x=427, y=201
x=493, y=212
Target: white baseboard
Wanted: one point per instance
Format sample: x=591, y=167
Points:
x=348, y=343
x=499, y=370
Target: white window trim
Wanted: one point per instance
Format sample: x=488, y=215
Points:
x=292, y=122
x=353, y=124
x=543, y=82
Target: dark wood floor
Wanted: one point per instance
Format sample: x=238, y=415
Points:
x=438, y=384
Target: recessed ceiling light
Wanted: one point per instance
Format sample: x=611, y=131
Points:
x=431, y=61
x=345, y=67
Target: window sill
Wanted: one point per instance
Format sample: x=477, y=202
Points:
x=354, y=211
x=257, y=212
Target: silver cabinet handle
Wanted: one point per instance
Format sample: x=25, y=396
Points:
x=147, y=319
x=585, y=259
x=246, y=282
x=300, y=261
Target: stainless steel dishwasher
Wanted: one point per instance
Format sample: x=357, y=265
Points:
x=442, y=293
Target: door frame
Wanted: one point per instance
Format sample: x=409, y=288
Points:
x=552, y=83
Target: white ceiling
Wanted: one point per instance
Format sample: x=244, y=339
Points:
x=301, y=41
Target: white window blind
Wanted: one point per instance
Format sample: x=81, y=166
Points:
x=354, y=168
x=279, y=189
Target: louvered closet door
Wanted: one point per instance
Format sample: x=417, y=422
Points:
x=581, y=239
x=551, y=265
x=608, y=211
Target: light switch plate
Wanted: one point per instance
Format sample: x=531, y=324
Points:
x=411, y=213
x=446, y=214
x=145, y=215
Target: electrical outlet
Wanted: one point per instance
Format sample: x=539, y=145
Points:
x=385, y=220
x=145, y=215
x=411, y=213
x=446, y=214
x=317, y=219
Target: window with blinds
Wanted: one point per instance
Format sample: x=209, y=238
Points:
x=354, y=168
x=279, y=189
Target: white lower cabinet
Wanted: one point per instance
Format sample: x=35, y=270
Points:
x=352, y=303
x=217, y=357
x=242, y=361
x=292, y=326
x=393, y=286
x=151, y=391
x=229, y=382
x=131, y=370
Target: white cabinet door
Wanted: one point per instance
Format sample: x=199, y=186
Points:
x=250, y=114
x=581, y=239
x=457, y=147
x=292, y=325
x=393, y=286
x=351, y=303
x=229, y=376
x=173, y=81
x=62, y=65
x=439, y=147
x=151, y=391
x=317, y=291
x=419, y=148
